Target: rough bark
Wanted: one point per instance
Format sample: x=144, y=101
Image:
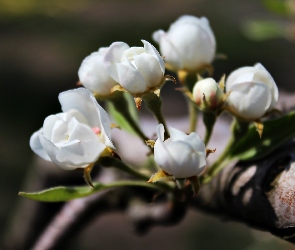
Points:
x=260, y=194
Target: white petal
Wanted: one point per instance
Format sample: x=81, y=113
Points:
x=150, y=70
x=52, y=151
x=157, y=35
x=83, y=146
x=187, y=162
x=250, y=100
x=49, y=124
x=232, y=78
x=161, y=155
x=129, y=77
x=93, y=75
x=114, y=53
x=194, y=140
x=36, y=146
x=170, y=53
x=194, y=47
x=263, y=76
x=80, y=154
x=176, y=135
x=83, y=101
x=152, y=50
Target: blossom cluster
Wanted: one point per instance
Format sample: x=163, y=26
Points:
x=81, y=134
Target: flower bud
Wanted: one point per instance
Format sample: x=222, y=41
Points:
x=137, y=69
x=207, y=95
x=253, y=92
x=188, y=45
x=93, y=75
x=181, y=155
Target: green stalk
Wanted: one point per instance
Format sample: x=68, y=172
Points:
x=154, y=104
x=108, y=161
x=239, y=129
x=193, y=116
x=209, y=119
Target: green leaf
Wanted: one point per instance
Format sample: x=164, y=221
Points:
x=275, y=133
x=60, y=194
x=122, y=108
x=259, y=30
x=278, y=6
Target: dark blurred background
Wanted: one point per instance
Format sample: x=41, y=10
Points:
x=42, y=44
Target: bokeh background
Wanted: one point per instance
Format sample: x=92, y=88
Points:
x=42, y=44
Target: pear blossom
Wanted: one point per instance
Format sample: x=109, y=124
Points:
x=253, y=92
x=76, y=137
x=181, y=155
x=93, y=75
x=188, y=45
x=208, y=95
x=137, y=69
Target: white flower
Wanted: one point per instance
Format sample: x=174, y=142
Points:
x=188, y=45
x=181, y=155
x=136, y=69
x=78, y=136
x=207, y=94
x=253, y=92
x=93, y=75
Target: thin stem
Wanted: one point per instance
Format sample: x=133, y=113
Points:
x=114, y=162
x=193, y=116
x=238, y=130
x=209, y=119
x=154, y=104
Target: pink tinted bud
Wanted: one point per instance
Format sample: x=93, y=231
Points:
x=207, y=94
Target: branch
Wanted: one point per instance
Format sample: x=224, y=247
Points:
x=260, y=194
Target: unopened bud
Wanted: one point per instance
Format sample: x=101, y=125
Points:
x=208, y=95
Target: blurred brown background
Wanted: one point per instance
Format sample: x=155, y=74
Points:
x=42, y=44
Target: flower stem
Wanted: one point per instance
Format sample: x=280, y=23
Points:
x=209, y=119
x=193, y=116
x=108, y=161
x=238, y=131
x=188, y=80
x=154, y=104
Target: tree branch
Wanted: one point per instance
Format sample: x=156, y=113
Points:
x=260, y=194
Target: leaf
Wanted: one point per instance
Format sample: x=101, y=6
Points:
x=259, y=30
x=122, y=108
x=275, y=133
x=281, y=7
x=60, y=194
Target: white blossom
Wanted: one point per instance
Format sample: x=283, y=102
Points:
x=93, y=75
x=253, y=92
x=181, y=155
x=189, y=44
x=136, y=69
x=76, y=137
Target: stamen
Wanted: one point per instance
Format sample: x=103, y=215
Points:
x=96, y=130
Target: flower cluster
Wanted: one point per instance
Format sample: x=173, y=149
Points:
x=135, y=69
x=80, y=135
